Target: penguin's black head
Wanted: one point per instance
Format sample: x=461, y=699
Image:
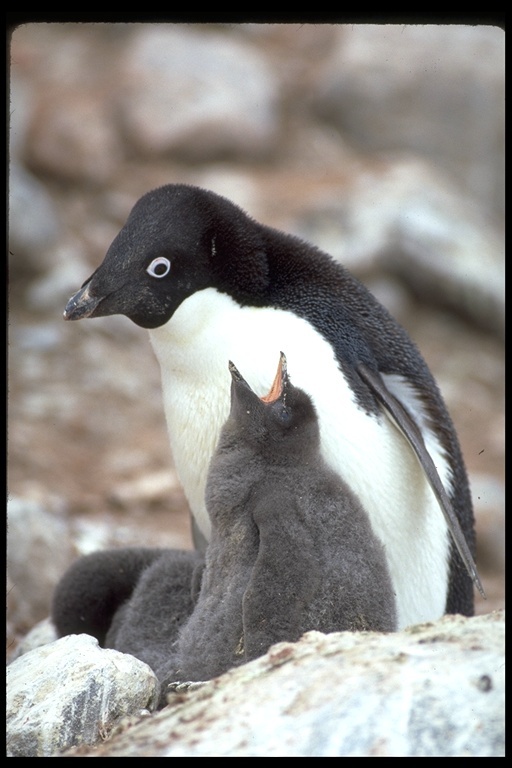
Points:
x=178, y=239
x=283, y=423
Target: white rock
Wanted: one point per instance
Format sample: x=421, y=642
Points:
x=72, y=692
x=433, y=690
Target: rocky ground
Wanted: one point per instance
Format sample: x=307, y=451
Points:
x=435, y=689
x=86, y=433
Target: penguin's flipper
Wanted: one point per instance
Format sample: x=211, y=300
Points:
x=412, y=433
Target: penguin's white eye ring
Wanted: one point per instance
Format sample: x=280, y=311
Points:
x=159, y=267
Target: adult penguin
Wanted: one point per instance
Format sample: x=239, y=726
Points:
x=211, y=284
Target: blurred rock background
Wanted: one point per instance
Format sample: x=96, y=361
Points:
x=382, y=144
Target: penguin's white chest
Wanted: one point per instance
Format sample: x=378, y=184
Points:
x=372, y=456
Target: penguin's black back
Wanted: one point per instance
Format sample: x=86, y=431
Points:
x=147, y=624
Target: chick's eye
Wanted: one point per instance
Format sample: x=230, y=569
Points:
x=282, y=414
x=159, y=267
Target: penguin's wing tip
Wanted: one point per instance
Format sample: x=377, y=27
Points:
x=412, y=433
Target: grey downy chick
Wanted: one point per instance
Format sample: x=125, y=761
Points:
x=292, y=549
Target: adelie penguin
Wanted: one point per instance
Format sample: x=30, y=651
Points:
x=291, y=548
x=211, y=285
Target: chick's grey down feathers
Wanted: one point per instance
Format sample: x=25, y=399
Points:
x=291, y=550
x=134, y=600
x=95, y=587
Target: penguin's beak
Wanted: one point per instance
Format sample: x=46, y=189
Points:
x=82, y=304
x=279, y=383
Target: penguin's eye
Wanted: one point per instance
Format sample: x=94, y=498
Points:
x=159, y=267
